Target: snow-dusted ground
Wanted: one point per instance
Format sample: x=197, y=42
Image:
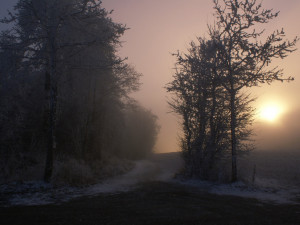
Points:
x=159, y=168
x=270, y=194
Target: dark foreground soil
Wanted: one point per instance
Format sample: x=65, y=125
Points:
x=155, y=203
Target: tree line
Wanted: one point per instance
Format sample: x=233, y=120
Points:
x=209, y=86
x=64, y=91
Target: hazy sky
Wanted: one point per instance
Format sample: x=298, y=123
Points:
x=161, y=27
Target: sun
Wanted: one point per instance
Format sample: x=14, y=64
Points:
x=270, y=112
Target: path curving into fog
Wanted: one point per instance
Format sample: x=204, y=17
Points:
x=159, y=167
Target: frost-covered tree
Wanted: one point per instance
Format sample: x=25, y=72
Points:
x=199, y=99
x=71, y=46
x=203, y=103
x=245, y=56
x=42, y=32
x=214, y=74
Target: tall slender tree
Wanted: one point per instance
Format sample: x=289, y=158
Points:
x=245, y=56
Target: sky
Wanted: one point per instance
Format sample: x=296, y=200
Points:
x=159, y=28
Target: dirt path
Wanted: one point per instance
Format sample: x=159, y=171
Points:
x=145, y=195
x=158, y=167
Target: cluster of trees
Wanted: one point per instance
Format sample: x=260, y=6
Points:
x=210, y=81
x=63, y=88
x=202, y=101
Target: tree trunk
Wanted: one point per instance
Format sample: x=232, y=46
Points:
x=51, y=143
x=52, y=100
x=233, y=136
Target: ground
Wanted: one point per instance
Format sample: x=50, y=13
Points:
x=149, y=194
x=155, y=203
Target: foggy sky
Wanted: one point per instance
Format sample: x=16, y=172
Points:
x=158, y=28
x=161, y=27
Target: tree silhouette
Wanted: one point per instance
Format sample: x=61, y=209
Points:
x=245, y=58
x=50, y=33
x=210, y=80
x=203, y=103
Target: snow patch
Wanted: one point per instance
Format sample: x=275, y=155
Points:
x=40, y=193
x=282, y=195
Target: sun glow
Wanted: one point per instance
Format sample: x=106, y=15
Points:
x=270, y=112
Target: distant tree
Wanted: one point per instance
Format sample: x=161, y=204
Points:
x=244, y=57
x=141, y=132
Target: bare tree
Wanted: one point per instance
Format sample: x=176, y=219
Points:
x=201, y=100
x=245, y=57
x=211, y=78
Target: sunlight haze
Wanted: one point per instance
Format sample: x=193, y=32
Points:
x=163, y=27
x=159, y=28
x=270, y=112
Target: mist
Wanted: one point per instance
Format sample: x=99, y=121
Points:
x=283, y=135
x=124, y=112
x=143, y=45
